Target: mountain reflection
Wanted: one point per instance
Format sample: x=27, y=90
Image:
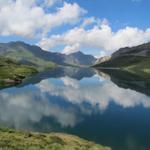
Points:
x=63, y=99
x=80, y=101
x=128, y=80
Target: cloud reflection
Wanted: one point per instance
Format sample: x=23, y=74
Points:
x=100, y=94
x=64, y=101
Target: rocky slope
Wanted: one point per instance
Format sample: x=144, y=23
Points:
x=135, y=59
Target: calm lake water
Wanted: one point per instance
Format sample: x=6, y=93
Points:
x=110, y=107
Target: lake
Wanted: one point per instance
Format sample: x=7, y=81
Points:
x=110, y=107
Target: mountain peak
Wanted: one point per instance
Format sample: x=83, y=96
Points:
x=23, y=52
x=77, y=53
x=18, y=42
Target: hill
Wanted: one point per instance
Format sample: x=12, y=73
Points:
x=34, y=55
x=12, y=72
x=135, y=59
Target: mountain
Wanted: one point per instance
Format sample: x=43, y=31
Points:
x=78, y=58
x=34, y=55
x=26, y=54
x=103, y=59
x=135, y=59
x=141, y=50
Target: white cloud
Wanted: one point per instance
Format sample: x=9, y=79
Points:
x=100, y=37
x=50, y=2
x=88, y=21
x=28, y=19
x=31, y=19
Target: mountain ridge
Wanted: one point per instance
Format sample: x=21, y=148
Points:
x=15, y=50
x=133, y=59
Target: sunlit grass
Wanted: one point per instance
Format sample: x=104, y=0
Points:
x=18, y=140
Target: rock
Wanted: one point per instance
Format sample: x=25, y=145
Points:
x=103, y=59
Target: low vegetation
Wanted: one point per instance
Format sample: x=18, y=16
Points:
x=12, y=72
x=18, y=140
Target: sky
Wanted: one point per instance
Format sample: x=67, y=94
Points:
x=97, y=27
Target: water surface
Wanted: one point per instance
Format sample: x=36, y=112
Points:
x=111, y=108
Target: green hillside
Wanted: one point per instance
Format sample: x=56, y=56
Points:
x=29, y=58
x=12, y=72
x=135, y=59
x=17, y=140
x=135, y=64
x=34, y=55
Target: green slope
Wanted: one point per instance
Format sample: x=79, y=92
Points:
x=136, y=64
x=28, y=57
x=141, y=67
x=17, y=140
x=12, y=72
x=132, y=59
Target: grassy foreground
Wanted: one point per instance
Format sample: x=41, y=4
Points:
x=18, y=140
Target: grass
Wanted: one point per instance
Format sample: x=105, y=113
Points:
x=9, y=68
x=19, y=140
x=12, y=72
x=40, y=64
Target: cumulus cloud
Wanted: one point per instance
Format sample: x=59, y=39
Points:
x=36, y=19
x=100, y=37
x=50, y=2
x=29, y=19
x=89, y=21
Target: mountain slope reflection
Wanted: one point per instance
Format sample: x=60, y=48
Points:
x=72, y=72
x=128, y=80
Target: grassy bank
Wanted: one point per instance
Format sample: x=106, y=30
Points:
x=12, y=72
x=18, y=140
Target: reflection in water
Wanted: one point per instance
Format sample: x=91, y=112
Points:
x=128, y=80
x=91, y=107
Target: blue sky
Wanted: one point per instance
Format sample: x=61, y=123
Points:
x=119, y=12
x=97, y=27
